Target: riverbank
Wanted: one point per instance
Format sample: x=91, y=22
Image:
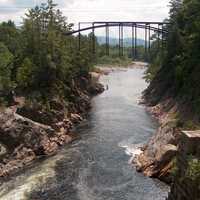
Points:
x=28, y=131
x=172, y=154
x=97, y=166
x=157, y=157
x=105, y=69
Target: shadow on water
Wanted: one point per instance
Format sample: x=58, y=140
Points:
x=56, y=187
x=69, y=185
x=97, y=166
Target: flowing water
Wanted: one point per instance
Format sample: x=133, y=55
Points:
x=98, y=166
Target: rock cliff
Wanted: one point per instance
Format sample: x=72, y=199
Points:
x=186, y=181
x=30, y=130
x=157, y=155
x=172, y=155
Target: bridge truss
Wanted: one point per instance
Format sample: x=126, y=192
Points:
x=158, y=28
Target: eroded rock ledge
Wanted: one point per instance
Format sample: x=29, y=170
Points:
x=186, y=181
x=25, y=139
x=156, y=159
x=29, y=131
x=172, y=155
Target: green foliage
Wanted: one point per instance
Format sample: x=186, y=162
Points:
x=25, y=74
x=153, y=68
x=10, y=36
x=190, y=125
x=174, y=169
x=115, y=59
x=193, y=169
x=39, y=57
x=180, y=64
x=6, y=65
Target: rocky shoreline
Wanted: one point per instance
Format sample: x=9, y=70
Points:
x=29, y=132
x=107, y=69
x=172, y=154
x=156, y=159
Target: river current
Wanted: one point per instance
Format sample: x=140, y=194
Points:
x=98, y=165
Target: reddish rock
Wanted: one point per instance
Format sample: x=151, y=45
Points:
x=158, y=153
x=37, y=130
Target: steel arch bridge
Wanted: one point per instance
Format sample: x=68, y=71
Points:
x=158, y=28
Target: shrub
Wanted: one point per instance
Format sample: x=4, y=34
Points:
x=25, y=73
x=193, y=170
x=6, y=64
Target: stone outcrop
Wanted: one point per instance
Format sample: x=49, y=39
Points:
x=157, y=155
x=170, y=145
x=30, y=129
x=15, y=129
x=186, y=182
x=24, y=140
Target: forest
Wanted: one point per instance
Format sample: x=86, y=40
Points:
x=174, y=90
x=37, y=59
x=178, y=66
x=119, y=60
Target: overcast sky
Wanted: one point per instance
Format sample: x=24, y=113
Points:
x=92, y=10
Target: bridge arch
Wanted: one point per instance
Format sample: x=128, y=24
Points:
x=157, y=27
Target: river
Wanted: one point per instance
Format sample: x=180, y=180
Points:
x=98, y=165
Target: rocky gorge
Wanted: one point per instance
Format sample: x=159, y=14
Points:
x=28, y=131
x=172, y=154
x=156, y=159
x=186, y=181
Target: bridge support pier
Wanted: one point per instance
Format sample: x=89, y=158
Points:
x=107, y=39
x=79, y=36
x=121, y=40
x=158, y=37
x=149, y=39
x=93, y=39
x=146, y=42
x=133, y=42
x=135, y=51
x=162, y=41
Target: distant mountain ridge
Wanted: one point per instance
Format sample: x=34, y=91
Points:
x=115, y=41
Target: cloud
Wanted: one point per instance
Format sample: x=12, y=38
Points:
x=115, y=10
x=15, y=9
x=92, y=10
x=133, y=10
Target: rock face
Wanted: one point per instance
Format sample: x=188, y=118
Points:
x=24, y=140
x=186, y=183
x=173, y=156
x=32, y=130
x=15, y=130
x=156, y=158
x=157, y=155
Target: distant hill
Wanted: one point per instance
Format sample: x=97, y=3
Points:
x=115, y=41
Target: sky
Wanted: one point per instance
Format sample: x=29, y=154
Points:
x=92, y=10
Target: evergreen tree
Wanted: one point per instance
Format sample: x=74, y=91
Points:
x=6, y=65
x=39, y=57
x=180, y=68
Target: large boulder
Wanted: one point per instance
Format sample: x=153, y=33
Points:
x=157, y=156
x=186, y=181
x=22, y=140
x=16, y=130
